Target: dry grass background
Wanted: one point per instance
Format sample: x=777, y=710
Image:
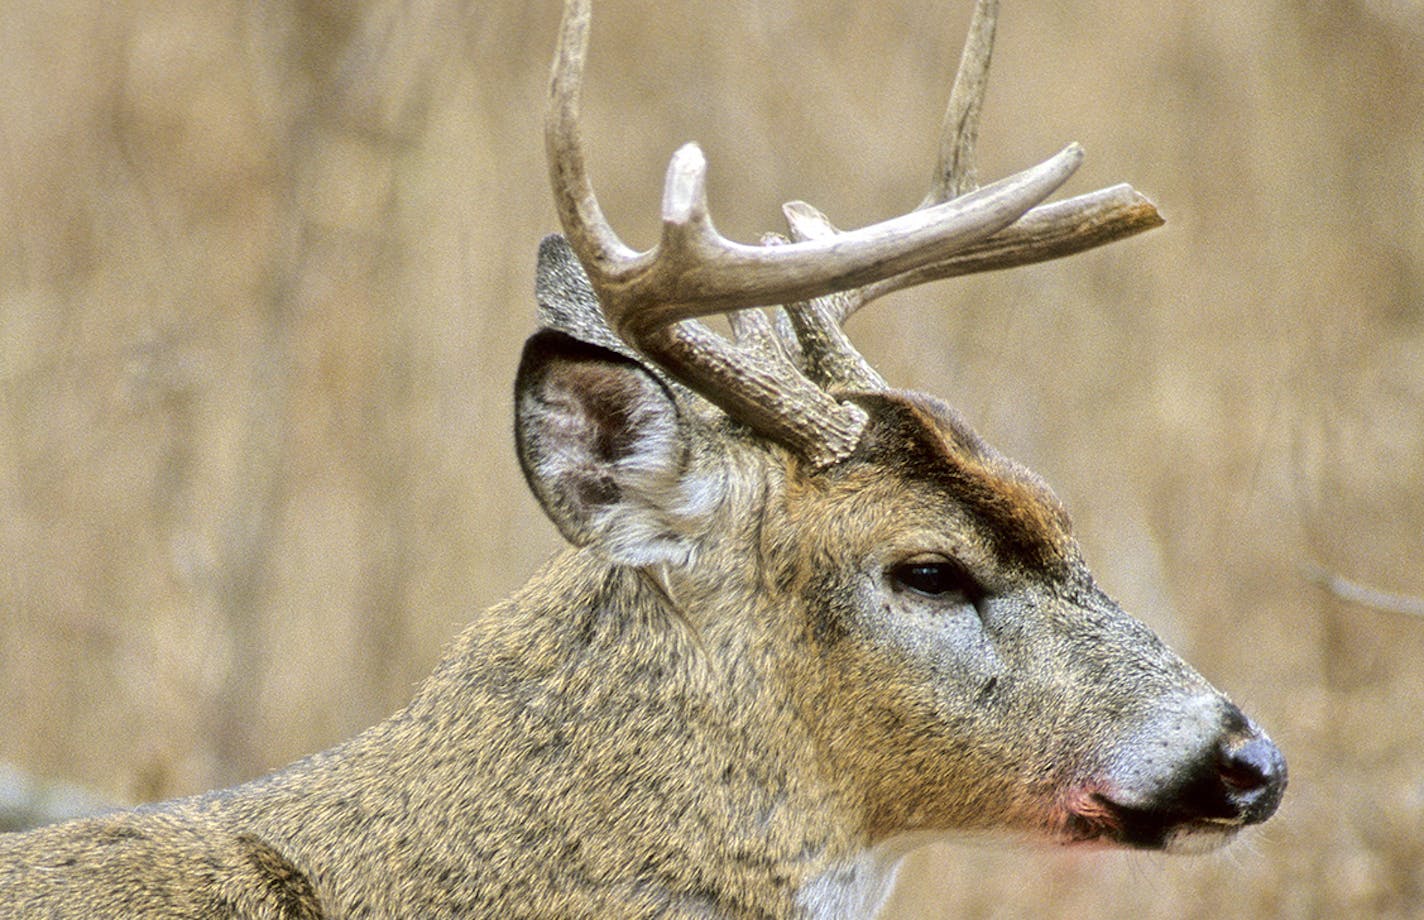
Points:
x=265, y=270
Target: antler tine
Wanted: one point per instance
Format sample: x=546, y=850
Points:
x=1045, y=232
x=827, y=353
x=955, y=174
x=1050, y=231
x=955, y=168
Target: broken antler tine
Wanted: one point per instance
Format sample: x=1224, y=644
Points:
x=955, y=170
x=685, y=189
x=807, y=222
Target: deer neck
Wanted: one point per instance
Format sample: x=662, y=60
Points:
x=640, y=728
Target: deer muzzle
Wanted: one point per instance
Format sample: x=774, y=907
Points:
x=1186, y=782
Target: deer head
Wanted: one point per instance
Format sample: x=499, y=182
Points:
x=915, y=608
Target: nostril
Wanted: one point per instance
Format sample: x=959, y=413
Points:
x=1255, y=773
x=1246, y=766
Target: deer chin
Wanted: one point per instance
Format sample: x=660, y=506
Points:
x=1089, y=818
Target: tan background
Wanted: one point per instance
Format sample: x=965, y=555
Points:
x=265, y=270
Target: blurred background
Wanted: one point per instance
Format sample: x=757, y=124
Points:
x=265, y=270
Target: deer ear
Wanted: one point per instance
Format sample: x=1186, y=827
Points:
x=603, y=446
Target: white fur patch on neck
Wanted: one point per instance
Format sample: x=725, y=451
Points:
x=857, y=888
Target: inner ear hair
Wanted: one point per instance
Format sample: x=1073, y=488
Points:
x=603, y=447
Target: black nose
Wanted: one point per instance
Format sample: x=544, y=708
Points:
x=1254, y=773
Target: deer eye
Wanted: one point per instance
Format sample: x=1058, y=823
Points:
x=938, y=578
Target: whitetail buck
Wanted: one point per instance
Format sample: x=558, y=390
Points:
x=807, y=619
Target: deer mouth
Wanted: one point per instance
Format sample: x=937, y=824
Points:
x=1198, y=812
x=1096, y=819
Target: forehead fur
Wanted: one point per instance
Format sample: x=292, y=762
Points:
x=922, y=439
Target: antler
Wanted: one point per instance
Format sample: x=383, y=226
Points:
x=822, y=274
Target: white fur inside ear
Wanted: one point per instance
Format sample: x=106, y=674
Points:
x=661, y=524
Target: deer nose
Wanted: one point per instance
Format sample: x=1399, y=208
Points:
x=1253, y=771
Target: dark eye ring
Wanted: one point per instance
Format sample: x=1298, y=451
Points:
x=938, y=578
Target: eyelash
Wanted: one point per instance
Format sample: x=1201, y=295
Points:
x=939, y=578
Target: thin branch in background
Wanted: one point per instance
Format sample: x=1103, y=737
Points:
x=1366, y=595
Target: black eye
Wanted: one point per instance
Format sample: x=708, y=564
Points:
x=940, y=578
